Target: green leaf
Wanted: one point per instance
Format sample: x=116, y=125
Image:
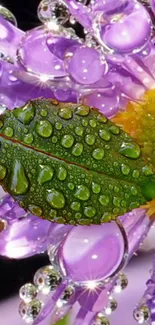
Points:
x=69, y=164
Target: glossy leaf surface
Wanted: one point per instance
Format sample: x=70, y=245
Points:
x=69, y=164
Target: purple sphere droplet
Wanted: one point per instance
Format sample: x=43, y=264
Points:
x=85, y=65
x=92, y=253
x=35, y=56
x=115, y=26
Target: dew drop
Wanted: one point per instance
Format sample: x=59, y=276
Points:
x=34, y=209
x=79, y=130
x=44, y=128
x=3, y=171
x=123, y=204
x=96, y=188
x=75, y=206
x=92, y=123
x=89, y=212
x=65, y=113
x=135, y=173
x=55, y=198
x=114, y=129
x=18, y=182
x=61, y=173
x=104, y=200
x=67, y=141
x=54, y=139
x=116, y=201
x=116, y=211
x=58, y=126
x=84, y=122
x=28, y=138
x=134, y=205
x=53, y=213
x=45, y=174
x=134, y=190
x=71, y=186
x=98, y=154
x=105, y=135
x=130, y=150
x=1, y=124
x=8, y=131
x=106, y=217
x=107, y=146
x=102, y=118
x=90, y=139
x=82, y=110
x=78, y=215
x=82, y=193
x=125, y=169
x=77, y=149
x=25, y=114
x=43, y=112
x=147, y=170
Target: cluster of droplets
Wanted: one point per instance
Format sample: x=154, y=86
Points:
x=47, y=281
x=144, y=313
x=44, y=121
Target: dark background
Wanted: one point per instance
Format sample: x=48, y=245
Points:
x=13, y=273
x=25, y=12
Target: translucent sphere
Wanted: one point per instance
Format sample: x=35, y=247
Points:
x=115, y=23
x=84, y=65
x=28, y=292
x=8, y=15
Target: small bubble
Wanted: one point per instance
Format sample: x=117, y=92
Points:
x=98, y=154
x=104, y=200
x=75, y=206
x=58, y=126
x=8, y=131
x=67, y=141
x=82, y=110
x=90, y=139
x=82, y=193
x=92, y=123
x=77, y=149
x=65, y=113
x=44, y=128
x=96, y=188
x=114, y=129
x=105, y=135
x=61, y=173
x=125, y=169
x=79, y=130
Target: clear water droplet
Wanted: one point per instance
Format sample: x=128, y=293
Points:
x=61, y=173
x=45, y=174
x=18, y=181
x=130, y=150
x=90, y=139
x=89, y=212
x=82, y=193
x=104, y=200
x=114, y=129
x=25, y=114
x=96, y=188
x=34, y=209
x=105, y=135
x=92, y=123
x=79, y=130
x=58, y=125
x=28, y=138
x=98, y=154
x=75, y=206
x=3, y=172
x=8, y=131
x=82, y=110
x=55, y=198
x=77, y=149
x=44, y=128
x=65, y=113
x=125, y=169
x=67, y=141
